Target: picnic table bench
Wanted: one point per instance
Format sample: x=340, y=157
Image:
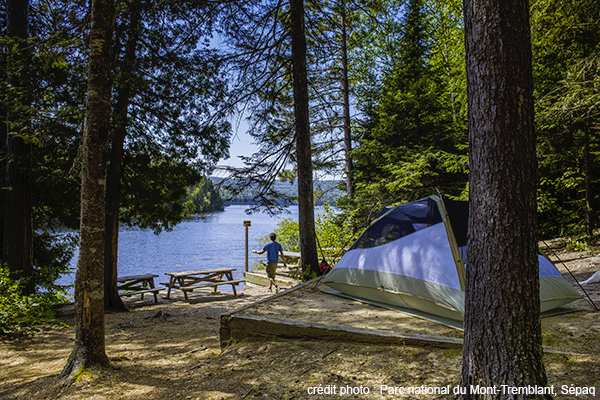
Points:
x=137, y=284
x=188, y=281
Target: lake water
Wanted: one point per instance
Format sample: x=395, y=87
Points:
x=199, y=243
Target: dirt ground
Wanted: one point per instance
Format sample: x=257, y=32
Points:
x=171, y=351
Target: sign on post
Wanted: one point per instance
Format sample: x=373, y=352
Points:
x=247, y=224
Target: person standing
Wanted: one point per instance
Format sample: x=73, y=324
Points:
x=273, y=249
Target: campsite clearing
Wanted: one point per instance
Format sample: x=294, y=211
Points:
x=171, y=350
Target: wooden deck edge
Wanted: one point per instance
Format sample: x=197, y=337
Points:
x=236, y=327
x=260, y=278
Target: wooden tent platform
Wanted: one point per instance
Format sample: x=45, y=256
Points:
x=305, y=312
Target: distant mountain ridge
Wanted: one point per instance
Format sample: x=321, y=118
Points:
x=328, y=188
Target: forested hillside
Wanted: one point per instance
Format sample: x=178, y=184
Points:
x=203, y=197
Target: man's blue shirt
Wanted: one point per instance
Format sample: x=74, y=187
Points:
x=272, y=249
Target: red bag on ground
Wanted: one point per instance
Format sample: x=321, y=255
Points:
x=324, y=267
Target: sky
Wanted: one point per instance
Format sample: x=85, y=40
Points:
x=242, y=144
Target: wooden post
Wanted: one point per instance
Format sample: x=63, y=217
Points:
x=247, y=224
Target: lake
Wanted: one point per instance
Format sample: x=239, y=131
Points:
x=215, y=241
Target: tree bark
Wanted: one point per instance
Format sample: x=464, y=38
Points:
x=502, y=340
x=346, y=105
x=306, y=212
x=89, y=348
x=17, y=233
x=112, y=300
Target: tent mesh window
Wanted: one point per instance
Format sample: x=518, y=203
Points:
x=392, y=224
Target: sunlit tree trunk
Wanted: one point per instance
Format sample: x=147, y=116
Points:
x=346, y=105
x=89, y=348
x=589, y=197
x=502, y=339
x=306, y=212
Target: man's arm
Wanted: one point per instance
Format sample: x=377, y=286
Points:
x=282, y=258
x=258, y=251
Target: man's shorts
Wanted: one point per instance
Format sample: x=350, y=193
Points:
x=271, y=268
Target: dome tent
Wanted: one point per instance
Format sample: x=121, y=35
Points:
x=412, y=257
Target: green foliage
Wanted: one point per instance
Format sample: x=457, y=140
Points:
x=567, y=78
x=174, y=117
x=288, y=235
x=175, y=123
x=52, y=255
x=415, y=134
x=335, y=233
x=203, y=197
x=577, y=245
x=20, y=314
x=153, y=190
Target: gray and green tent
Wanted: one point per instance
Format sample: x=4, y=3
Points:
x=412, y=257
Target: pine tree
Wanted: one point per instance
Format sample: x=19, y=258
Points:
x=412, y=138
x=502, y=341
x=17, y=202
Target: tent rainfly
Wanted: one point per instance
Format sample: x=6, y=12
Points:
x=412, y=257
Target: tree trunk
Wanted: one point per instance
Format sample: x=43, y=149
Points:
x=17, y=243
x=306, y=212
x=89, y=349
x=502, y=339
x=3, y=131
x=587, y=160
x=112, y=300
x=346, y=105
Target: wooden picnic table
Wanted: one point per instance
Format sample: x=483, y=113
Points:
x=187, y=281
x=137, y=284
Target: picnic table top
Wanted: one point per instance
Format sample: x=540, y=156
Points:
x=292, y=254
x=136, y=277
x=200, y=272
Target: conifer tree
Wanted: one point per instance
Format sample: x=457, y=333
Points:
x=411, y=138
x=566, y=68
x=17, y=203
x=167, y=120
